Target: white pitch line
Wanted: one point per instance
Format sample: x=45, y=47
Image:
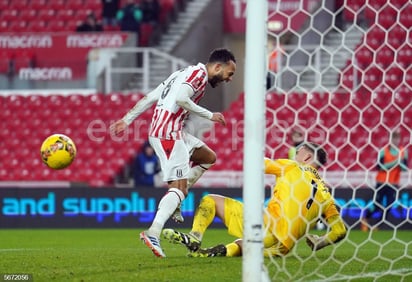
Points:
x=366, y=275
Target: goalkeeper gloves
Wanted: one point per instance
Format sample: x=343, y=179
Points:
x=316, y=242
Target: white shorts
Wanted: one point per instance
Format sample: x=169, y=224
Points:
x=174, y=155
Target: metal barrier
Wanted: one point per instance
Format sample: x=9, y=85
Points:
x=117, y=69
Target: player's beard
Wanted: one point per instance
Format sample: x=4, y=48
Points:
x=214, y=81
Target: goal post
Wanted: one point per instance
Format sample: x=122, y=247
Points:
x=343, y=78
x=254, y=143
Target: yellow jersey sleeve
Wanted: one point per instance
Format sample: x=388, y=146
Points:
x=278, y=167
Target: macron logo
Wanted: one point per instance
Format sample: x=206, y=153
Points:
x=45, y=74
x=94, y=40
x=26, y=41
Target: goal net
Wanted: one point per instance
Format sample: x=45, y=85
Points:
x=339, y=72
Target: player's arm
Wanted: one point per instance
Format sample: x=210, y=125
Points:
x=277, y=167
x=337, y=231
x=141, y=106
x=183, y=100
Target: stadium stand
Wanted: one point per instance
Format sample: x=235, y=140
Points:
x=99, y=159
x=358, y=121
x=378, y=65
x=24, y=15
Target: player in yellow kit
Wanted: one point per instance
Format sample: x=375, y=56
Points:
x=300, y=198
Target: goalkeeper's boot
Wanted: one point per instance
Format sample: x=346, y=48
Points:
x=153, y=243
x=177, y=215
x=188, y=240
x=216, y=251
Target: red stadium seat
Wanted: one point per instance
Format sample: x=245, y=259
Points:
x=385, y=56
x=71, y=25
x=9, y=15
x=393, y=77
x=167, y=11
x=46, y=14
x=371, y=11
x=38, y=4
x=350, y=77
x=319, y=100
x=350, y=117
x=28, y=15
x=329, y=117
x=358, y=136
x=81, y=15
x=64, y=14
x=18, y=4
x=57, y=4
x=392, y=117
x=397, y=36
x=18, y=26
x=383, y=97
x=307, y=115
x=399, y=3
x=387, y=17
x=375, y=36
x=371, y=116
x=404, y=56
x=364, y=56
x=408, y=77
x=56, y=25
x=94, y=5
x=296, y=100
x=405, y=17
x=403, y=97
x=340, y=100
x=372, y=78
x=285, y=117
x=146, y=30
x=76, y=5
x=37, y=26
x=4, y=5
x=4, y=26
x=362, y=98
x=337, y=136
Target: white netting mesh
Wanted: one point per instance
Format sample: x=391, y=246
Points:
x=345, y=81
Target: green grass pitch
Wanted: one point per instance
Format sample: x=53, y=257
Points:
x=118, y=255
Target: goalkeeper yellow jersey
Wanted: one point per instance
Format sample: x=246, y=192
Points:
x=300, y=197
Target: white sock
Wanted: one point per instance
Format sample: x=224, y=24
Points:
x=196, y=172
x=167, y=206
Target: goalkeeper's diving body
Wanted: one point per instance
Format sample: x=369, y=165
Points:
x=300, y=198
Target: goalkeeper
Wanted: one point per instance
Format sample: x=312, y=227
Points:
x=300, y=197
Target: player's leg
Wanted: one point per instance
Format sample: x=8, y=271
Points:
x=391, y=196
x=174, y=160
x=230, y=211
x=389, y=192
x=202, y=158
x=210, y=206
x=380, y=204
x=367, y=214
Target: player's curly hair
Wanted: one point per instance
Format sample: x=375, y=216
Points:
x=221, y=55
x=320, y=154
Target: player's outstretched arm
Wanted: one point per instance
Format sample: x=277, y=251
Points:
x=143, y=104
x=337, y=233
x=184, y=101
x=219, y=118
x=118, y=127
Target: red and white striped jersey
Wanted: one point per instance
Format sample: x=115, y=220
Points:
x=168, y=117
